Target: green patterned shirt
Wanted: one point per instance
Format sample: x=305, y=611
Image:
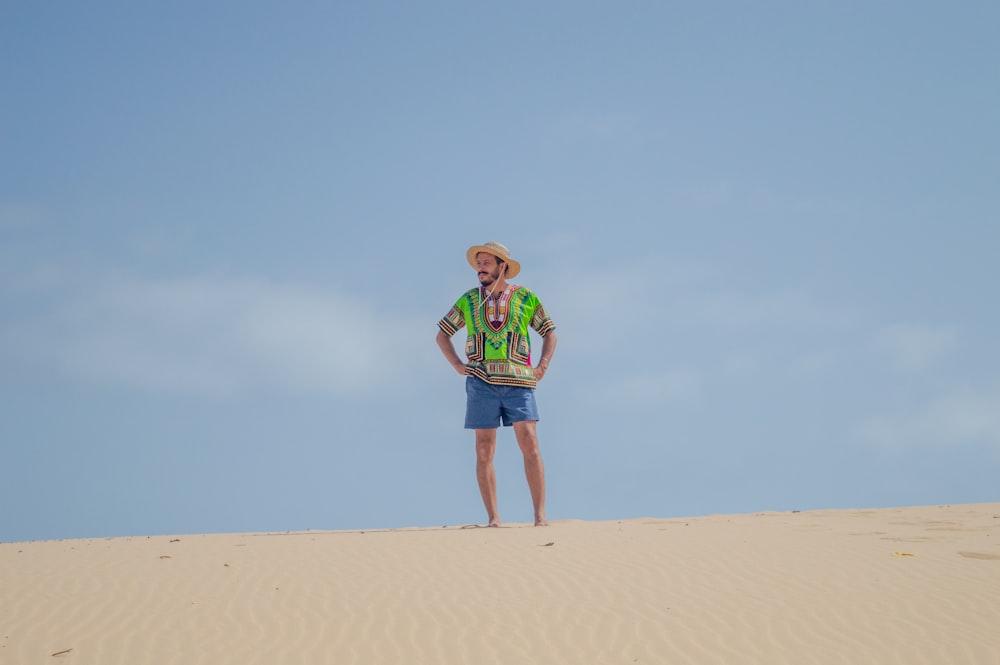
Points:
x=498, y=346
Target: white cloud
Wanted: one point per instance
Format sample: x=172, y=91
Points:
x=648, y=304
x=654, y=331
x=912, y=347
x=957, y=419
x=219, y=335
x=667, y=292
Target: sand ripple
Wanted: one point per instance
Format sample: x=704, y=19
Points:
x=913, y=585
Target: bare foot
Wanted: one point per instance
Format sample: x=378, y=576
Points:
x=495, y=522
x=541, y=521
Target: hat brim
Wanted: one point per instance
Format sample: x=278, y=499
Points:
x=513, y=267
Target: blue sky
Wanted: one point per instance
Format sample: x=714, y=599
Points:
x=767, y=233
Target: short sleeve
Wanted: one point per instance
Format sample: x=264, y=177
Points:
x=452, y=322
x=540, y=321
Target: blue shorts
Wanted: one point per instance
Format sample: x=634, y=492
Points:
x=488, y=404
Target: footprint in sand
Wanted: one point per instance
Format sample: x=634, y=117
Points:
x=980, y=555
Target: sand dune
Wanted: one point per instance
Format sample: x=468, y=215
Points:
x=909, y=585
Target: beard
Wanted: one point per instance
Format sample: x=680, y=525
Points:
x=487, y=278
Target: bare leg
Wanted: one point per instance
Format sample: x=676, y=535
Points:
x=534, y=468
x=486, y=445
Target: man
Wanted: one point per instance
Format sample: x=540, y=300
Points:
x=500, y=383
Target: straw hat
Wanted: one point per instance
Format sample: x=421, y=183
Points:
x=497, y=250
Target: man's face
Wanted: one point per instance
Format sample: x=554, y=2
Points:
x=487, y=268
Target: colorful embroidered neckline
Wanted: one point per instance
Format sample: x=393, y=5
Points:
x=496, y=308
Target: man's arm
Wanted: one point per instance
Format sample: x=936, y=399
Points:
x=548, y=348
x=448, y=349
